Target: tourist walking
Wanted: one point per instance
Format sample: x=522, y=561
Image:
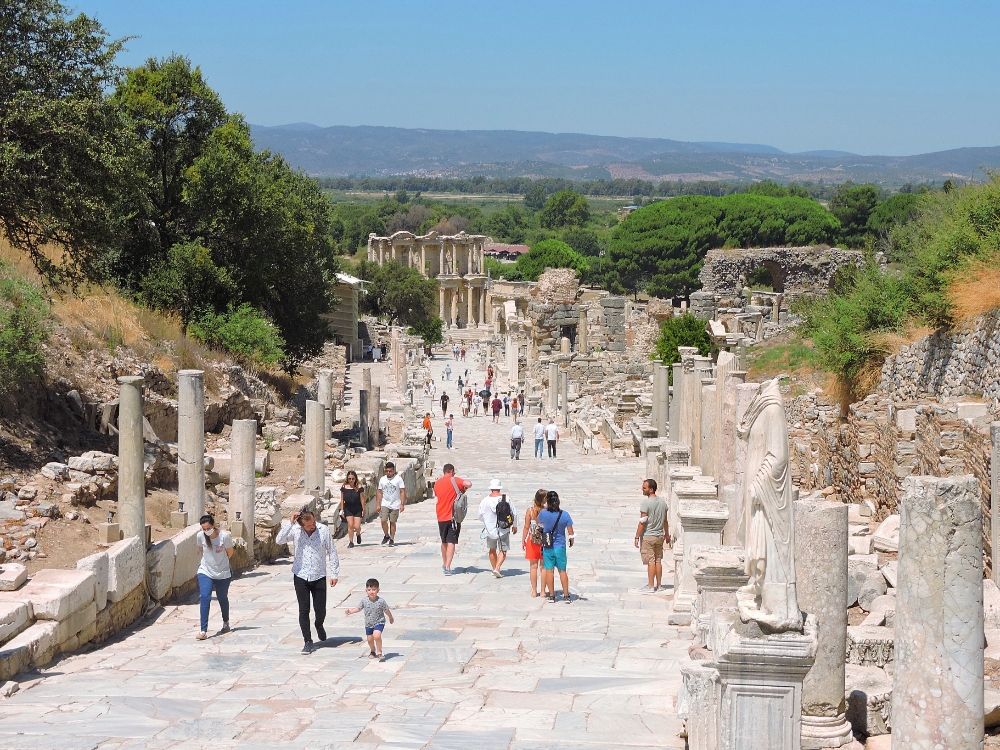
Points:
x=651, y=534
x=539, y=432
x=496, y=409
x=447, y=490
x=447, y=372
x=376, y=610
x=514, y=408
x=557, y=531
x=315, y=557
x=390, y=502
x=445, y=398
x=432, y=390
x=461, y=385
x=499, y=522
x=506, y=404
x=214, y=572
x=475, y=405
x=531, y=540
x=552, y=437
x=465, y=404
x=428, y=429
x=463, y=353
x=516, y=440
x=351, y=507
x=449, y=426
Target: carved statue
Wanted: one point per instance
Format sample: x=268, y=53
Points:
x=474, y=260
x=449, y=260
x=767, y=526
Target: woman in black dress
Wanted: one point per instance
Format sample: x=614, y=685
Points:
x=351, y=507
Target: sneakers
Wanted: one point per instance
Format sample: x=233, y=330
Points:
x=385, y=539
x=497, y=573
x=551, y=599
x=321, y=633
x=307, y=647
x=225, y=628
x=449, y=572
x=359, y=538
x=647, y=590
x=350, y=545
x=392, y=543
x=201, y=636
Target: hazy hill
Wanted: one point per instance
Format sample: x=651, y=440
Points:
x=383, y=151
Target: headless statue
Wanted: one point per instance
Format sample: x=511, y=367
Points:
x=767, y=525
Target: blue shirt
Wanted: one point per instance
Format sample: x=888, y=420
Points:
x=547, y=520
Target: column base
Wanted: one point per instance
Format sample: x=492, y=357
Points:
x=820, y=732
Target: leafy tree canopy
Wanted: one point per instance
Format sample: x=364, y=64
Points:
x=853, y=205
x=565, y=208
x=398, y=293
x=662, y=246
x=429, y=329
x=583, y=240
x=549, y=254
x=534, y=199
x=683, y=330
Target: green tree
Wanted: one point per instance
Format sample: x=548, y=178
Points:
x=565, y=208
x=508, y=225
x=583, y=240
x=891, y=213
x=550, y=254
x=534, y=199
x=683, y=330
x=853, y=205
x=397, y=293
x=66, y=157
x=429, y=329
x=25, y=324
x=188, y=282
x=249, y=337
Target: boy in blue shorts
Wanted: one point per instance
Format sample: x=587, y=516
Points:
x=375, y=610
x=557, y=524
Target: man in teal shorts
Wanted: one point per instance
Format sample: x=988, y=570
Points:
x=559, y=524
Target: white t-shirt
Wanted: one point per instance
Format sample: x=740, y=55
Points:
x=390, y=491
x=488, y=515
x=214, y=559
x=551, y=432
x=539, y=431
x=517, y=432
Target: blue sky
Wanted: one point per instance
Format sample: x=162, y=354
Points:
x=868, y=77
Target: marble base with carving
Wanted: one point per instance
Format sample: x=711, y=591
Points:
x=719, y=573
x=761, y=685
x=698, y=704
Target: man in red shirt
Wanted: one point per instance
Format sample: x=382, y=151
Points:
x=497, y=406
x=444, y=493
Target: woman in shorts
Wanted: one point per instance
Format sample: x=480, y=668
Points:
x=532, y=550
x=351, y=507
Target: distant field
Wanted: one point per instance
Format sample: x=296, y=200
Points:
x=487, y=203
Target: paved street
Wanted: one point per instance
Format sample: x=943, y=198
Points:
x=473, y=661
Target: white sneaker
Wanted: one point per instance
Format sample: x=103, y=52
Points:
x=497, y=573
x=202, y=635
x=647, y=590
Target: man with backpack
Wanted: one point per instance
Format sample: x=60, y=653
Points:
x=499, y=519
x=451, y=507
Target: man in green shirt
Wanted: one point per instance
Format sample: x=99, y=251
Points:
x=650, y=535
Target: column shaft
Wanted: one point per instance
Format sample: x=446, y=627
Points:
x=241, y=477
x=131, y=473
x=553, y=387
x=314, y=450
x=191, y=442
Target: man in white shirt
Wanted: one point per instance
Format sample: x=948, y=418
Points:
x=314, y=549
x=391, y=501
x=551, y=437
x=516, y=439
x=539, y=433
x=497, y=532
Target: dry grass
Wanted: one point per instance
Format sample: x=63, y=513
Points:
x=977, y=292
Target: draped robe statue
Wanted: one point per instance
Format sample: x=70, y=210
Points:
x=767, y=526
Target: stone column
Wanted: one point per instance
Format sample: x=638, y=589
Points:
x=423, y=260
x=725, y=364
x=374, y=416
x=564, y=346
x=482, y=303
x=676, y=399
x=821, y=586
x=663, y=396
x=454, y=307
x=658, y=375
x=441, y=303
x=314, y=450
x=363, y=421
x=995, y=498
x=242, y=480
x=565, y=398
x=324, y=393
x=469, y=316
x=191, y=443
x=553, y=387
x=937, y=694
x=581, y=333
x=726, y=472
x=131, y=473
x=707, y=432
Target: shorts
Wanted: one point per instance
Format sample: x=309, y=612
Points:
x=502, y=544
x=353, y=511
x=532, y=551
x=651, y=549
x=389, y=514
x=554, y=558
x=380, y=627
x=449, y=531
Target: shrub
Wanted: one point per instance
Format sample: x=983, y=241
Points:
x=25, y=323
x=249, y=337
x=430, y=330
x=550, y=254
x=684, y=330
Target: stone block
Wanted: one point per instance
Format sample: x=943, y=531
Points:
x=120, y=614
x=14, y=618
x=79, y=463
x=187, y=556
x=12, y=576
x=991, y=708
x=859, y=545
x=160, y=568
x=872, y=588
x=886, y=536
x=888, y=572
x=881, y=609
x=906, y=420
x=294, y=503
x=859, y=567
x=869, y=646
x=78, y=621
x=55, y=594
x=868, y=691
x=34, y=647
x=972, y=410
x=98, y=565
x=126, y=567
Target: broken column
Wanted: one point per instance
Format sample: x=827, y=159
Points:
x=937, y=694
x=565, y=347
x=565, y=398
x=324, y=394
x=726, y=474
x=191, y=445
x=581, y=333
x=725, y=364
x=821, y=584
x=363, y=421
x=553, y=387
x=131, y=472
x=242, y=480
x=658, y=406
x=676, y=399
x=707, y=428
x=315, y=476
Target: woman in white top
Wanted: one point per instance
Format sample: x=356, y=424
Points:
x=214, y=572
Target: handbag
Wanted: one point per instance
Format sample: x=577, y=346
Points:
x=549, y=537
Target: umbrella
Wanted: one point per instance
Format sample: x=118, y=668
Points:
x=484, y=394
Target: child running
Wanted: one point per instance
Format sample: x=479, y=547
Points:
x=375, y=610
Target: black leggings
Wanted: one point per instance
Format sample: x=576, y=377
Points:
x=303, y=589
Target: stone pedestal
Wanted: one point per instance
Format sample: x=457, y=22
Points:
x=719, y=573
x=995, y=498
x=699, y=705
x=937, y=695
x=676, y=399
x=191, y=442
x=242, y=481
x=821, y=587
x=108, y=534
x=315, y=475
x=708, y=417
x=553, y=387
x=726, y=473
x=761, y=686
x=179, y=519
x=702, y=518
x=131, y=472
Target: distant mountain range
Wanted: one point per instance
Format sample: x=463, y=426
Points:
x=340, y=151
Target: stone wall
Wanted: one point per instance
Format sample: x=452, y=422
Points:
x=795, y=270
x=547, y=321
x=612, y=337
